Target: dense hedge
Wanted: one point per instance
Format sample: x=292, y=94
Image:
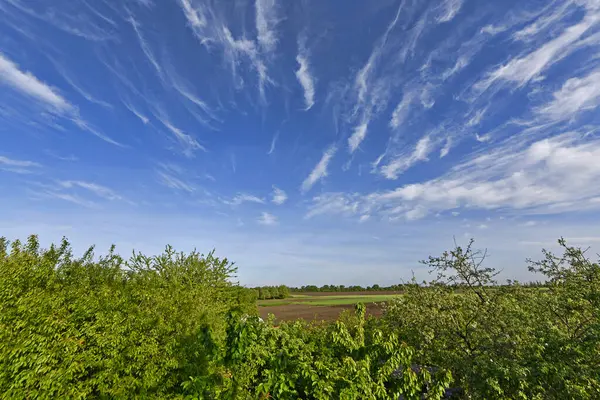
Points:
x=176, y=326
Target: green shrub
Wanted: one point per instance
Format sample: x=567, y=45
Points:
x=78, y=328
x=507, y=342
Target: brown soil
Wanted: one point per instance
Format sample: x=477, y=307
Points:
x=307, y=312
x=364, y=293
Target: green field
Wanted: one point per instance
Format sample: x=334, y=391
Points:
x=332, y=300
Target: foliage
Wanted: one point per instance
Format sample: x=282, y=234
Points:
x=343, y=288
x=507, y=342
x=272, y=292
x=350, y=359
x=75, y=328
x=176, y=326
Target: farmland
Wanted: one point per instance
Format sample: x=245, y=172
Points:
x=323, y=306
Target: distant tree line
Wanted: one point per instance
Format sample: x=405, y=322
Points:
x=343, y=288
x=272, y=292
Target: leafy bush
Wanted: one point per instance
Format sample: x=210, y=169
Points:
x=346, y=360
x=75, y=328
x=507, y=342
x=176, y=326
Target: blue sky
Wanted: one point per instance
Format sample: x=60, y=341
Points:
x=308, y=141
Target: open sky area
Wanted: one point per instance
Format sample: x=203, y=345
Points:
x=311, y=142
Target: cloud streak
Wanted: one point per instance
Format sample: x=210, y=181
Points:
x=266, y=21
x=18, y=166
x=320, y=170
x=304, y=76
x=27, y=84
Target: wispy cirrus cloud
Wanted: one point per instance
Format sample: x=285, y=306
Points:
x=174, y=182
x=523, y=69
x=266, y=23
x=304, y=76
x=96, y=189
x=548, y=176
x=211, y=29
x=145, y=46
x=268, y=219
x=575, y=96
x=401, y=163
x=371, y=93
x=18, y=166
x=189, y=144
x=241, y=198
x=278, y=196
x=449, y=9
x=27, y=84
x=320, y=170
x=77, y=192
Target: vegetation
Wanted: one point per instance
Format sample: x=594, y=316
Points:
x=177, y=326
x=330, y=300
x=510, y=342
x=343, y=288
x=272, y=292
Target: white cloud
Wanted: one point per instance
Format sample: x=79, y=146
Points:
x=575, y=96
x=279, y=196
x=266, y=21
x=334, y=203
x=189, y=144
x=477, y=117
x=244, y=198
x=195, y=16
x=320, y=170
x=416, y=213
x=446, y=149
x=273, y=143
x=211, y=29
x=548, y=176
x=359, y=134
x=371, y=95
x=524, y=69
x=135, y=112
x=173, y=182
x=543, y=22
x=146, y=47
x=402, y=163
x=305, y=78
x=483, y=138
x=17, y=166
x=364, y=218
x=450, y=9
x=66, y=197
x=401, y=111
x=28, y=84
x=98, y=190
x=267, y=219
